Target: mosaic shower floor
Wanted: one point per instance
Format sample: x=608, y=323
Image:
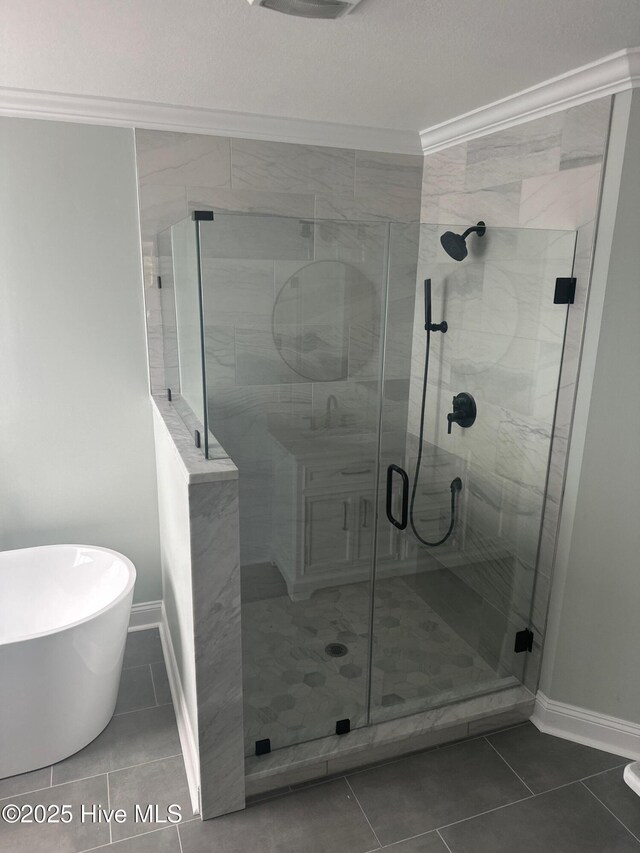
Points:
x=295, y=691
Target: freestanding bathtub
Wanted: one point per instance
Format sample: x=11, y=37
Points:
x=64, y=614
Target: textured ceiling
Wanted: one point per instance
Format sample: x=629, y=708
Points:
x=404, y=64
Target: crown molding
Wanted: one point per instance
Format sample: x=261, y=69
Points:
x=120, y=112
x=607, y=76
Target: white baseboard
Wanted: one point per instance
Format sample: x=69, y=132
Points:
x=185, y=732
x=587, y=727
x=147, y=614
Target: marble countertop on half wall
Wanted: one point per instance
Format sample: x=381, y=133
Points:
x=196, y=468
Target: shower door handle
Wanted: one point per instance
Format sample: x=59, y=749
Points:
x=405, y=496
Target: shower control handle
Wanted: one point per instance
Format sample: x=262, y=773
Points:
x=464, y=411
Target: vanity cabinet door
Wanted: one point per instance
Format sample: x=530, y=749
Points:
x=387, y=539
x=329, y=528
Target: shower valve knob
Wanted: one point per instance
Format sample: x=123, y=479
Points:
x=464, y=411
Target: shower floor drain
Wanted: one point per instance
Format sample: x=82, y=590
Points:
x=336, y=650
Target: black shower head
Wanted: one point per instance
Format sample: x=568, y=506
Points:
x=455, y=245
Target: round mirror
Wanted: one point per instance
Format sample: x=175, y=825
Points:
x=325, y=321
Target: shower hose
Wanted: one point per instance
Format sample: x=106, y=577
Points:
x=456, y=483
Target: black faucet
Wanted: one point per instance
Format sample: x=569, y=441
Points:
x=464, y=411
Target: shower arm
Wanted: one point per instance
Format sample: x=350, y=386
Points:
x=479, y=229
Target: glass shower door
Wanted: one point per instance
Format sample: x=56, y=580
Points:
x=447, y=620
x=293, y=330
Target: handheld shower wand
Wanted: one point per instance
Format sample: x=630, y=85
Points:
x=456, y=483
x=428, y=325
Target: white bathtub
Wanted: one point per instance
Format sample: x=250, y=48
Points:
x=64, y=613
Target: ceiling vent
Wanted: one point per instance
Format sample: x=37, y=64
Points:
x=327, y=9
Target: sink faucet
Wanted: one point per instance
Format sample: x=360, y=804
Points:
x=331, y=401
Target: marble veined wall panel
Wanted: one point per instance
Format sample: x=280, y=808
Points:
x=536, y=186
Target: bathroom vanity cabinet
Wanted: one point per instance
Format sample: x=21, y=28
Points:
x=323, y=514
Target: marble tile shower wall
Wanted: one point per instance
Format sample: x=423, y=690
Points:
x=178, y=173
x=545, y=176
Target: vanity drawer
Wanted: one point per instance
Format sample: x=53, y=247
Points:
x=340, y=475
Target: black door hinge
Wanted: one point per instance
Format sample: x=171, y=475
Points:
x=263, y=746
x=524, y=641
x=343, y=727
x=159, y=282
x=565, y=292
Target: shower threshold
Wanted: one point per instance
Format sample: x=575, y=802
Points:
x=386, y=741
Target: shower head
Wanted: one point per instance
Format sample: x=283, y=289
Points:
x=455, y=245
x=327, y=9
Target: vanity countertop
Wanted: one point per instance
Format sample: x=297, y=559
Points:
x=326, y=443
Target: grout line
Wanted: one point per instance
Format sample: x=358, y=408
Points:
x=491, y=732
x=375, y=835
x=600, y=772
x=443, y=841
x=534, y=796
x=95, y=775
x=179, y=838
x=37, y=790
x=140, y=666
x=51, y=777
x=144, y=708
x=576, y=781
x=488, y=811
x=109, y=807
x=138, y=710
x=153, y=684
x=257, y=799
x=604, y=805
x=509, y=766
x=129, y=838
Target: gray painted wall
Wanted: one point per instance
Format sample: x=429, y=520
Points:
x=596, y=593
x=76, y=447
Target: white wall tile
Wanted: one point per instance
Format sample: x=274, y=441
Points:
x=285, y=167
x=166, y=158
x=513, y=154
x=560, y=200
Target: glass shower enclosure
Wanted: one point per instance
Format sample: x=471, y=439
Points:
x=299, y=349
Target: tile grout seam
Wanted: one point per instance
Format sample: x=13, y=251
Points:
x=92, y=776
x=129, y=838
x=522, y=800
x=481, y=814
x=109, y=807
x=509, y=766
x=375, y=834
x=153, y=684
x=439, y=834
x=604, y=805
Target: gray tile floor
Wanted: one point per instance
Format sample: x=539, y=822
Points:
x=513, y=790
